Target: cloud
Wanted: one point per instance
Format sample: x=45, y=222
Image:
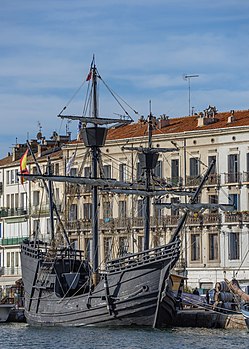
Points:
x=142, y=50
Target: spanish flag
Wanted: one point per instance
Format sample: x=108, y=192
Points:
x=23, y=165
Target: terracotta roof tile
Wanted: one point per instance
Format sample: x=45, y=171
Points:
x=181, y=124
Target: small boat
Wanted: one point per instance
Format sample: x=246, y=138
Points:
x=5, y=310
x=62, y=288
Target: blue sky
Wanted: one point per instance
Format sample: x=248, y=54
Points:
x=143, y=49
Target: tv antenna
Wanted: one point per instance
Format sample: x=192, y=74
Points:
x=188, y=78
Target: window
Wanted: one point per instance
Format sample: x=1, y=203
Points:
x=233, y=246
x=195, y=247
x=233, y=168
x=139, y=170
x=8, y=200
x=213, y=247
x=210, y=159
x=16, y=176
x=16, y=200
x=73, y=213
x=36, y=197
x=73, y=172
x=122, y=172
x=123, y=246
x=108, y=248
x=87, y=172
x=0, y=230
x=107, y=171
x=234, y=199
x=16, y=259
x=122, y=209
x=140, y=208
x=8, y=260
x=107, y=211
x=87, y=211
x=36, y=227
x=23, y=200
x=158, y=169
x=12, y=201
x=213, y=199
x=12, y=176
x=174, y=208
x=57, y=168
x=140, y=243
x=194, y=167
x=88, y=248
x=175, y=172
x=34, y=170
x=157, y=209
x=8, y=177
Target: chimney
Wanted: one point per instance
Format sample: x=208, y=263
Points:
x=163, y=121
x=208, y=117
x=231, y=117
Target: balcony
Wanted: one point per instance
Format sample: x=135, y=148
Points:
x=193, y=181
x=12, y=241
x=233, y=177
x=43, y=210
x=79, y=224
x=195, y=219
x=121, y=223
x=13, y=212
x=213, y=179
x=233, y=217
x=106, y=223
x=10, y=271
x=212, y=218
x=175, y=181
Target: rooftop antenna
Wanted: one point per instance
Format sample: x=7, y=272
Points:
x=188, y=78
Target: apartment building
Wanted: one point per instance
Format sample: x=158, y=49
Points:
x=214, y=242
x=24, y=209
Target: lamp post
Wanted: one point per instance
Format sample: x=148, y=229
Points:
x=188, y=78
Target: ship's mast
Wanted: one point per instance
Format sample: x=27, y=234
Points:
x=94, y=149
x=150, y=160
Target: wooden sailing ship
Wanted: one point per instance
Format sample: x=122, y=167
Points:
x=61, y=286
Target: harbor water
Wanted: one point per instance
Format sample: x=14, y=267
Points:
x=20, y=335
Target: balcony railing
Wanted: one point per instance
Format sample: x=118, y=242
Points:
x=233, y=217
x=193, y=181
x=213, y=179
x=212, y=218
x=10, y=212
x=233, y=177
x=12, y=241
x=39, y=210
x=10, y=271
x=175, y=181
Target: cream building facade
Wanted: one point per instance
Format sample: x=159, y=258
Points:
x=214, y=243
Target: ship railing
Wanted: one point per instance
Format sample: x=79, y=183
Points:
x=169, y=251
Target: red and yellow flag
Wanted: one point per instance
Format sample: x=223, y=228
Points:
x=23, y=165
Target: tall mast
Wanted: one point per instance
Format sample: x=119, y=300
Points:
x=150, y=159
x=94, y=149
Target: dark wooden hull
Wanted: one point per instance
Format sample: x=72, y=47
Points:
x=127, y=294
